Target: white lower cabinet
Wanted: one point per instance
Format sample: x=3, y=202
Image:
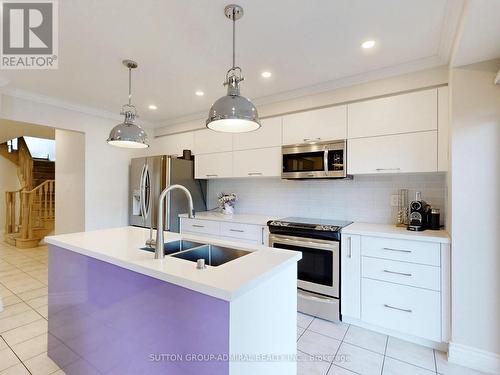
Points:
x=401, y=153
x=398, y=285
x=414, y=311
x=350, y=266
x=248, y=233
x=265, y=162
x=217, y=165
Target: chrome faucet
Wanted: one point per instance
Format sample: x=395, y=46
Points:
x=159, y=231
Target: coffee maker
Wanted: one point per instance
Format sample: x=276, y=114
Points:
x=419, y=218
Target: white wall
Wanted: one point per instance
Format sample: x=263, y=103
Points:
x=475, y=199
x=8, y=182
x=365, y=198
x=70, y=182
x=106, y=167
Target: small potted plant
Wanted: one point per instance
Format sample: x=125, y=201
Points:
x=226, y=203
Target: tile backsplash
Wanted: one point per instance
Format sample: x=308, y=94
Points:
x=362, y=199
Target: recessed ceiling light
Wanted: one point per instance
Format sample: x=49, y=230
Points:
x=368, y=44
x=152, y=107
x=199, y=93
x=266, y=74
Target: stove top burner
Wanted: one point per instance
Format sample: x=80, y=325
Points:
x=310, y=224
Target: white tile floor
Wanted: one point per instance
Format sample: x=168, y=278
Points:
x=327, y=348
x=324, y=347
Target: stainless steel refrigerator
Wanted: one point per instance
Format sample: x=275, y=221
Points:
x=149, y=176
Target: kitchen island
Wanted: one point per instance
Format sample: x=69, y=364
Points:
x=114, y=309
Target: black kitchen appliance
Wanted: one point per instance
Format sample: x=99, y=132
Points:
x=420, y=214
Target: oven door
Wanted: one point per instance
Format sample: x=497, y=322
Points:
x=318, y=270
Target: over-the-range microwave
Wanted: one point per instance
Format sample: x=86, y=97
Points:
x=314, y=160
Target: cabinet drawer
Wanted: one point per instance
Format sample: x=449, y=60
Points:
x=418, y=275
x=200, y=226
x=242, y=231
x=402, y=308
x=403, y=250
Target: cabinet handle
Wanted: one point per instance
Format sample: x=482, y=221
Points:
x=397, y=308
x=387, y=169
x=255, y=173
x=398, y=250
x=198, y=226
x=311, y=139
x=349, y=251
x=237, y=230
x=211, y=175
x=398, y=273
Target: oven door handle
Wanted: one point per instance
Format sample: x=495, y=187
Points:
x=325, y=160
x=297, y=241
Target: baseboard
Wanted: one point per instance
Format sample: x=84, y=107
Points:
x=477, y=359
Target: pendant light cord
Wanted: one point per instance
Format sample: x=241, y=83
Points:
x=234, y=37
x=129, y=86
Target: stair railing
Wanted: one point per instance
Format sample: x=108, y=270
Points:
x=38, y=208
x=25, y=165
x=13, y=210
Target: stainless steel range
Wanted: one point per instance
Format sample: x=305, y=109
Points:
x=319, y=269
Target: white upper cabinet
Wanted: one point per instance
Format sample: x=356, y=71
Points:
x=325, y=124
x=207, y=141
x=443, y=129
x=405, y=153
x=405, y=113
x=269, y=135
x=217, y=165
x=264, y=162
x=174, y=144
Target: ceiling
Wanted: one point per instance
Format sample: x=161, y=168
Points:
x=14, y=129
x=185, y=45
x=480, y=32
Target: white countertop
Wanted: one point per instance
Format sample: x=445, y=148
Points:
x=387, y=230
x=120, y=246
x=234, y=218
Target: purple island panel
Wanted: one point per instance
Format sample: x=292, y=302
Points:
x=104, y=319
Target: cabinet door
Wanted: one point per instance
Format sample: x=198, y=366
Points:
x=350, y=260
x=265, y=162
x=207, y=141
x=174, y=144
x=216, y=165
x=325, y=124
x=416, y=111
x=269, y=135
x=443, y=129
x=405, y=153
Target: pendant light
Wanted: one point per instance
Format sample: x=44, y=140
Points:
x=128, y=134
x=233, y=113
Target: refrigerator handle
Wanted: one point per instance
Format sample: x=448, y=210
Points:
x=142, y=194
x=141, y=189
x=147, y=189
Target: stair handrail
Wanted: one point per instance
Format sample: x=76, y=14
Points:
x=37, y=213
x=25, y=163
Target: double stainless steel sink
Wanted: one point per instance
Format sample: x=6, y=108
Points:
x=213, y=255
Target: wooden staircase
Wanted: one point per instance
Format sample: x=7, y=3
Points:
x=30, y=211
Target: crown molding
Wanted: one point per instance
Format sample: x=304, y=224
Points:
x=58, y=103
x=453, y=18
